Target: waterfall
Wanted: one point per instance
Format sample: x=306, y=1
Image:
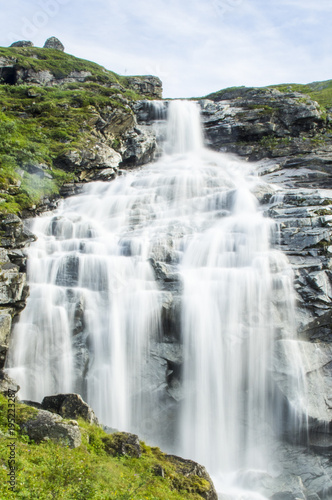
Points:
x=95, y=312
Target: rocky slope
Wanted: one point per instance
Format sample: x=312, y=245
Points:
x=62, y=451
x=64, y=121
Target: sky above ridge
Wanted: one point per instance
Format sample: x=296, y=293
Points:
x=195, y=46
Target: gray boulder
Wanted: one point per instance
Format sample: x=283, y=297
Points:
x=22, y=43
x=69, y=406
x=191, y=469
x=54, y=43
x=100, y=162
x=48, y=426
x=140, y=146
x=123, y=443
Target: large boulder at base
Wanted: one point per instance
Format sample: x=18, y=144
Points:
x=22, y=43
x=7, y=384
x=192, y=470
x=54, y=43
x=48, y=426
x=69, y=406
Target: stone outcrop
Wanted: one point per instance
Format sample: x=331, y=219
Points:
x=98, y=163
x=48, y=426
x=262, y=123
x=22, y=43
x=12, y=72
x=147, y=85
x=192, y=470
x=123, y=443
x=69, y=406
x=54, y=43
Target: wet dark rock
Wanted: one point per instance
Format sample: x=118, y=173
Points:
x=68, y=271
x=54, y=43
x=33, y=404
x=139, y=146
x=147, y=112
x=69, y=406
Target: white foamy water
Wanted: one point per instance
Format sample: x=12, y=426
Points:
x=95, y=307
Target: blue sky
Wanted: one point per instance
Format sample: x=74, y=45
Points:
x=194, y=46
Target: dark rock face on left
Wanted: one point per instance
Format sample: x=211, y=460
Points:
x=22, y=43
x=13, y=286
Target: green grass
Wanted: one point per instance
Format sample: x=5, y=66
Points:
x=60, y=64
x=38, y=124
x=50, y=471
x=317, y=91
x=40, y=128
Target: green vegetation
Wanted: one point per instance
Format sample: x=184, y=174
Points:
x=39, y=124
x=317, y=91
x=60, y=64
x=92, y=471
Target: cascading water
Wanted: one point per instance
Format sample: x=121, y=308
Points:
x=95, y=308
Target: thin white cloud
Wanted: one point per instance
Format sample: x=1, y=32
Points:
x=196, y=46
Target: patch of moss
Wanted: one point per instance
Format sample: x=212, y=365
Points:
x=50, y=471
x=36, y=130
x=38, y=124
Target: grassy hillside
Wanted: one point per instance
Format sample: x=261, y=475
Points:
x=91, y=471
x=60, y=64
x=37, y=124
x=318, y=91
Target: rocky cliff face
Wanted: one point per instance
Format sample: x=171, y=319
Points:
x=78, y=123
x=13, y=287
x=289, y=135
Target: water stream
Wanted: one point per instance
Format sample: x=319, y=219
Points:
x=95, y=311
